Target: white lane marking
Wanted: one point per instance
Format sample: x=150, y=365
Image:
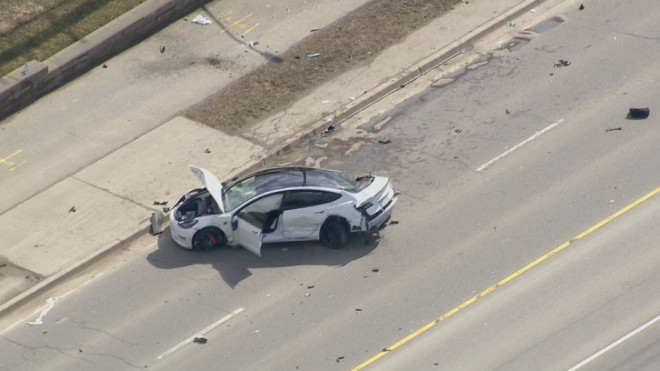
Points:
x=609, y=347
x=517, y=146
x=211, y=327
x=50, y=304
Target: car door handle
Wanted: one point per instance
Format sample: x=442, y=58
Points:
x=319, y=212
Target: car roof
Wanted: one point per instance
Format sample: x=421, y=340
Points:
x=305, y=177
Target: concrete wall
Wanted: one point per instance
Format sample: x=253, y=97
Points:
x=19, y=89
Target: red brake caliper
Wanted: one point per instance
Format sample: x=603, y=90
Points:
x=212, y=239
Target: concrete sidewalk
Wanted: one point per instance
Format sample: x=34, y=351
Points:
x=105, y=204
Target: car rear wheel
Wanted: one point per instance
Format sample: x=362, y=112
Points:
x=208, y=238
x=334, y=233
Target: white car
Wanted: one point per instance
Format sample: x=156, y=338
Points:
x=278, y=205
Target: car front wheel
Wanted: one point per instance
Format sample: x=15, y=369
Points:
x=334, y=234
x=208, y=238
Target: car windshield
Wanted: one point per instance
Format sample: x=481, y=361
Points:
x=267, y=181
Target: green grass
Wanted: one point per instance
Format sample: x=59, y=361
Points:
x=38, y=29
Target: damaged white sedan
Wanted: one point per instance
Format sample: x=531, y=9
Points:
x=279, y=205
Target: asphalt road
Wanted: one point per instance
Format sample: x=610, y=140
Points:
x=484, y=194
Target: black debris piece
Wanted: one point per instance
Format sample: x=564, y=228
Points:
x=105, y=65
x=384, y=141
x=163, y=203
x=310, y=286
x=166, y=209
x=314, y=29
x=72, y=209
x=507, y=111
x=639, y=113
x=339, y=359
x=581, y=6
x=394, y=222
x=207, y=151
x=612, y=129
x=79, y=350
x=200, y=340
x=358, y=310
x=328, y=130
x=375, y=270
x=562, y=63
x=458, y=131
x=297, y=57
x=385, y=350
x=162, y=49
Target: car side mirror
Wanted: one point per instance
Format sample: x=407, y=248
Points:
x=234, y=222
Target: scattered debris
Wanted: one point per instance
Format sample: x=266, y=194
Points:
x=253, y=44
x=358, y=310
x=325, y=102
x=612, y=129
x=386, y=350
x=581, y=7
x=166, y=209
x=458, y=131
x=256, y=331
x=200, y=340
x=507, y=111
x=162, y=49
x=533, y=11
x=639, y=113
x=207, y=151
x=339, y=359
x=105, y=65
x=328, y=131
x=393, y=222
x=297, y=57
x=72, y=209
x=552, y=74
x=314, y=29
x=158, y=203
x=375, y=270
x=351, y=99
x=512, y=24
x=307, y=294
x=200, y=19
x=310, y=286
x=384, y=141
x=79, y=350
x=562, y=63
x=314, y=55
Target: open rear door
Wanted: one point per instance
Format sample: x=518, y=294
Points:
x=247, y=235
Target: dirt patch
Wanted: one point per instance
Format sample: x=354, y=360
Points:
x=38, y=29
x=352, y=41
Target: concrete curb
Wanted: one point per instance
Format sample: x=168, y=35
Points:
x=399, y=82
x=396, y=83
x=73, y=269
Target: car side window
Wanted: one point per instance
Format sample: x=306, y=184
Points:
x=257, y=212
x=301, y=199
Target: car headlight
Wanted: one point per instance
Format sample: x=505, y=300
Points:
x=186, y=224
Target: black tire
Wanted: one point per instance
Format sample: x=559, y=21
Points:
x=208, y=238
x=334, y=233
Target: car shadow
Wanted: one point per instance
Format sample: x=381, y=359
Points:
x=235, y=264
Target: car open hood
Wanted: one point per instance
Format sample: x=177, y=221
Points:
x=211, y=183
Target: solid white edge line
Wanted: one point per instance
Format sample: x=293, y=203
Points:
x=621, y=340
x=536, y=135
x=209, y=328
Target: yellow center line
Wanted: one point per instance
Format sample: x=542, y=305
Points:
x=506, y=280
